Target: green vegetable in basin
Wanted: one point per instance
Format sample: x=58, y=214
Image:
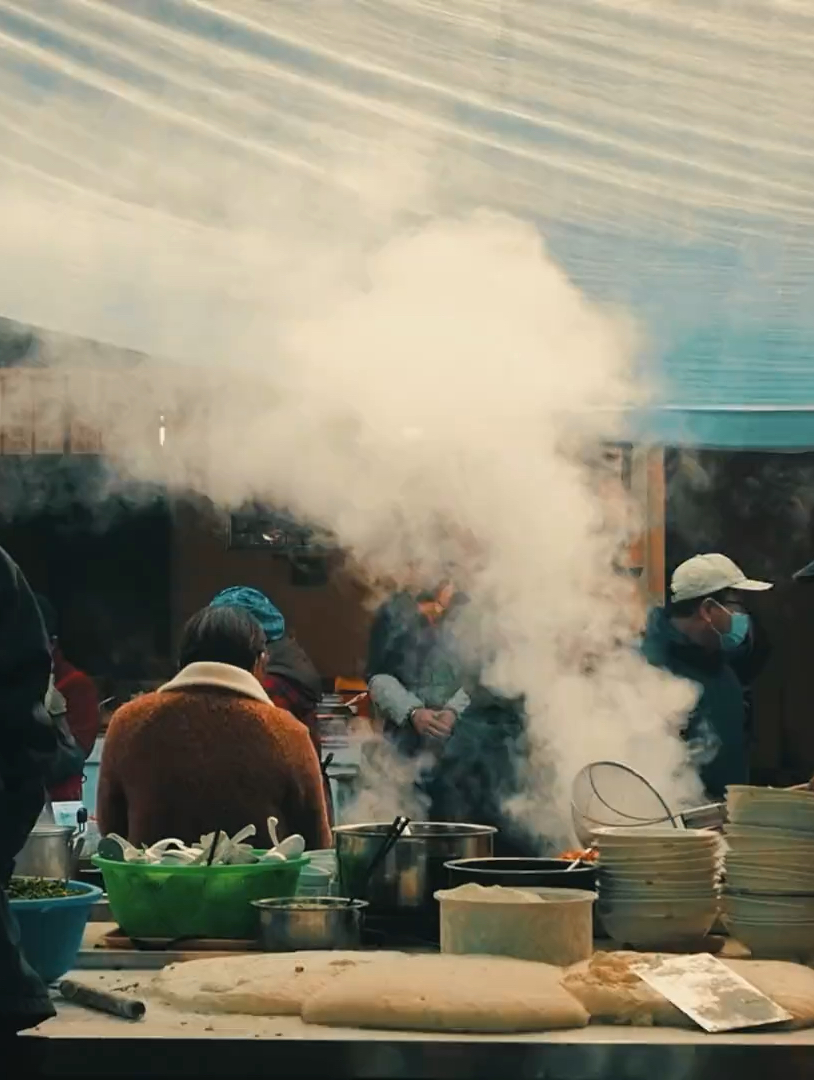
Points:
x=34, y=888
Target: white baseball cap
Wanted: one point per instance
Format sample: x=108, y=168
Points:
x=705, y=575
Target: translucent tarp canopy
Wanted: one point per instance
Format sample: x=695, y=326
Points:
x=665, y=150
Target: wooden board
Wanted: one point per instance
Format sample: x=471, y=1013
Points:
x=106, y=948
x=117, y=939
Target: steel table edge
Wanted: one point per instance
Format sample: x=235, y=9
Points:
x=452, y=1059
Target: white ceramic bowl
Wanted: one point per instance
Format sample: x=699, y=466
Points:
x=652, y=932
x=759, y=879
x=771, y=807
x=661, y=838
x=769, y=941
x=780, y=911
x=768, y=838
x=656, y=888
x=662, y=907
x=668, y=871
x=774, y=871
x=682, y=853
x=615, y=894
x=736, y=791
x=652, y=833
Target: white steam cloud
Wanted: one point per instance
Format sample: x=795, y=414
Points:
x=429, y=385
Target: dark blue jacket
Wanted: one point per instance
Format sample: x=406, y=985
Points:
x=717, y=728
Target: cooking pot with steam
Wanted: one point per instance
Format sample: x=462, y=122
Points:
x=405, y=881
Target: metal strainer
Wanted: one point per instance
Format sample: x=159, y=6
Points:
x=608, y=794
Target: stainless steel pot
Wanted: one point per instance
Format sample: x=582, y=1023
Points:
x=319, y=922
x=51, y=851
x=413, y=870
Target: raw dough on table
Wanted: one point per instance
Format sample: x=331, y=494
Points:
x=476, y=994
x=613, y=994
x=266, y=984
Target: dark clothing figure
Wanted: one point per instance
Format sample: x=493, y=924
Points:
x=293, y=683
x=414, y=663
x=477, y=772
x=74, y=706
x=29, y=748
x=717, y=729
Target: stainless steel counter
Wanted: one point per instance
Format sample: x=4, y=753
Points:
x=168, y=1042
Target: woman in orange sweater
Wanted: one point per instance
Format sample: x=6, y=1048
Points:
x=208, y=750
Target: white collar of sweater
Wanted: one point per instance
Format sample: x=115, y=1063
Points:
x=220, y=676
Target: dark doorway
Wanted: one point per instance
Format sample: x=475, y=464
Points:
x=99, y=548
x=758, y=508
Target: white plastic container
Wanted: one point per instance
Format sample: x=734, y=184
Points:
x=557, y=929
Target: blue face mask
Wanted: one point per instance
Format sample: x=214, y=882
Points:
x=737, y=632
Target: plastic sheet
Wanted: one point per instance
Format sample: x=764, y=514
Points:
x=665, y=151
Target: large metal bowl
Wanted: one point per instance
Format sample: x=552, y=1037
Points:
x=318, y=922
x=405, y=882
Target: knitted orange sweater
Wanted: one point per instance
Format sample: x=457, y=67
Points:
x=186, y=762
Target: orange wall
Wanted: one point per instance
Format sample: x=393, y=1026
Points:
x=330, y=622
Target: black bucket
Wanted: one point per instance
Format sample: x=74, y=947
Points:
x=520, y=873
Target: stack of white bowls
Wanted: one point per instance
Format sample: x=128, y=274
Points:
x=318, y=878
x=658, y=886
x=769, y=897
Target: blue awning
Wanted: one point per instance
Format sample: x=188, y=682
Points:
x=727, y=428
x=667, y=156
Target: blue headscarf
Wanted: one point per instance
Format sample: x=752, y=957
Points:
x=258, y=605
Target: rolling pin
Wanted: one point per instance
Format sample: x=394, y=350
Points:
x=101, y=1000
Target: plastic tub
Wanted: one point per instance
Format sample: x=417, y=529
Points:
x=51, y=930
x=532, y=874
x=168, y=902
x=558, y=931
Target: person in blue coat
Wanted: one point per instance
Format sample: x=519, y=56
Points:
x=705, y=634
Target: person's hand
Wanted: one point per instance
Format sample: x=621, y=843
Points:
x=447, y=718
x=431, y=724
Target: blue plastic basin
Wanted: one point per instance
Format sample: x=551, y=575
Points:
x=51, y=931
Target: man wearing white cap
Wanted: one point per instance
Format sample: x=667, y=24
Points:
x=704, y=634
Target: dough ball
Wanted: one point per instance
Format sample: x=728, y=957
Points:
x=613, y=994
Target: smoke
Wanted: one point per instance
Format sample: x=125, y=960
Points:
x=426, y=383
x=441, y=406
